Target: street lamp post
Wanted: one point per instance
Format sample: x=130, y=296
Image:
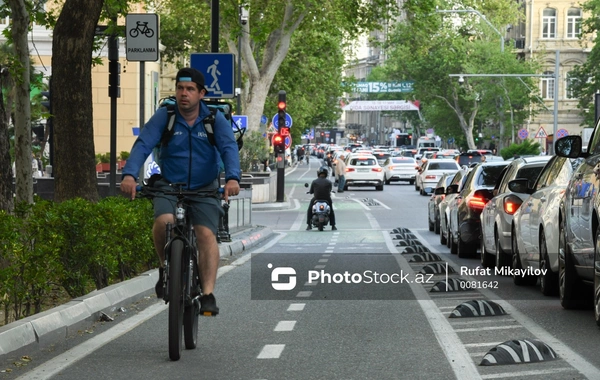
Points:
x=555, y=76
x=480, y=15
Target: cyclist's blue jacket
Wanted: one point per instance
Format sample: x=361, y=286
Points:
x=189, y=157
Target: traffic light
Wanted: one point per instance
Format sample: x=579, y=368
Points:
x=114, y=79
x=279, y=143
x=38, y=130
x=281, y=114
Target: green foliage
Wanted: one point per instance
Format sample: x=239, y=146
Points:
x=526, y=148
x=76, y=244
x=255, y=150
x=102, y=158
x=124, y=155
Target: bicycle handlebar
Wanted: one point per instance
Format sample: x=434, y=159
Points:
x=147, y=189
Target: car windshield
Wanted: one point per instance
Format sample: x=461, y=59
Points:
x=363, y=162
x=442, y=166
x=468, y=159
x=489, y=175
x=403, y=160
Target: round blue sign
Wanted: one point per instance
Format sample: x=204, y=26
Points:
x=263, y=119
x=561, y=133
x=288, y=121
x=523, y=134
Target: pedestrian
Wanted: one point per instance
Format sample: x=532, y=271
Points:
x=189, y=157
x=340, y=170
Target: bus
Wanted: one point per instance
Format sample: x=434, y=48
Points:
x=403, y=139
x=426, y=142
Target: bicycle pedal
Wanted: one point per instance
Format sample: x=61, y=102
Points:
x=209, y=314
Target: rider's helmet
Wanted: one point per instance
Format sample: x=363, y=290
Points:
x=323, y=170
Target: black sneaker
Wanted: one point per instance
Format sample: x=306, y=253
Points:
x=308, y=228
x=208, y=305
x=333, y=228
x=160, y=290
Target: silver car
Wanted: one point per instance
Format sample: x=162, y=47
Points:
x=399, y=169
x=431, y=173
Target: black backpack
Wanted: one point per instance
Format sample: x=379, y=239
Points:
x=209, y=122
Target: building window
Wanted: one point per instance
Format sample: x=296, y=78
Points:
x=573, y=22
x=549, y=23
x=547, y=86
x=569, y=81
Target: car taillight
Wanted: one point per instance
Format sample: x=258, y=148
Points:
x=477, y=203
x=350, y=170
x=376, y=169
x=512, y=204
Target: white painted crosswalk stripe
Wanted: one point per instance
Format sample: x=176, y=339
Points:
x=271, y=351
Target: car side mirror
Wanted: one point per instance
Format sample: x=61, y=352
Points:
x=519, y=185
x=569, y=146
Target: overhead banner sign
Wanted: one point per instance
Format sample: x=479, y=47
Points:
x=380, y=105
x=379, y=87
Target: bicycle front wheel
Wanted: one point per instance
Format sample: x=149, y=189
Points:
x=190, y=315
x=175, y=299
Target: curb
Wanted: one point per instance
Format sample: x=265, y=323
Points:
x=57, y=324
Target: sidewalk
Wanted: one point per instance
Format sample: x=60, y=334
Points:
x=54, y=325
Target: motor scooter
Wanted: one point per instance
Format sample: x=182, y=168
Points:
x=320, y=212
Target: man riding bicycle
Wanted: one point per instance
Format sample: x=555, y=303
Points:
x=189, y=157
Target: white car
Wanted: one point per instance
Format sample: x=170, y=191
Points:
x=535, y=227
x=431, y=173
x=400, y=169
x=363, y=170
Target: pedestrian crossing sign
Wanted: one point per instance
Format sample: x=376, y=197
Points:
x=541, y=133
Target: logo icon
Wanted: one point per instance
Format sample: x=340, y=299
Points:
x=282, y=271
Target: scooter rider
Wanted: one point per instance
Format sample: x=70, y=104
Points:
x=321, y=188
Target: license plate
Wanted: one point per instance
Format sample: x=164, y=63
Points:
x=362, y=170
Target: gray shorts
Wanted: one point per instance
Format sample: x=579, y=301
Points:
x=204, y=211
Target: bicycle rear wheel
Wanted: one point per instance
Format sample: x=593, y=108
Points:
x=175, y=299
x=190, y=315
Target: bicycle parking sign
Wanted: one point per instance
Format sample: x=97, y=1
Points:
x=142, y=36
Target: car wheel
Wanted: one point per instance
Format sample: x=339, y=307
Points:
x=387, y=181
x=430, y=224
x=487, y=261
x=436, y=224
x=549, y=280
x=569, y=285
x=464, y=250
x=502, y=258
x=411, y=182
x=379, y=188
x=597, y=277
x=448, y=238
x=442, y=237
x=519, y=280
x=453, y=245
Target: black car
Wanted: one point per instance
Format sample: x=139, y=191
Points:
x=465, y=209
x=467, y=159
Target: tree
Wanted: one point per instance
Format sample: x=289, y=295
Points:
x=266, y=37
x=427, y=48
x=6, y=175
x=22, y=118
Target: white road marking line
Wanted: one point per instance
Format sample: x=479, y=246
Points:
x=494, y=320
x=374, y=223
x=271, y=351
x=361, y=203
x=482, y=344
x=319, y=266
x=520, y=374
x=381, y=203
x=326, y=255
x=285, y=326
x=296, y=307
x=323, y=260
x=310, y=283
x=299, y=222
x=490, y=328
x=304, y=293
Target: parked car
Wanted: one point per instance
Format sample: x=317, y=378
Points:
x=400, y=169
x=535, y=227
x=497, y=215
x=465, y=209
x=363, y=170
x=438, y=196
x=452, y=191
x=579, y=247
x=431, y=173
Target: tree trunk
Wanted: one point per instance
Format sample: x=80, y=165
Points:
x=6, y=175
x=22, y=116
x=74, y=154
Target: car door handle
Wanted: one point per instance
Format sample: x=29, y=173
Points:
x=543, y=199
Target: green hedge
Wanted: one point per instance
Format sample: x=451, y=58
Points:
x=74, y=245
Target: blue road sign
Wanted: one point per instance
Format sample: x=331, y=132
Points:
x=263, y=119
x=288, y=121
x=561, y=133
x=241, y=121
x=218, y=70
x=451, y=140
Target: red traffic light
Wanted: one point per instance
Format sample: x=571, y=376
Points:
x=277, y=139
x=281, y=106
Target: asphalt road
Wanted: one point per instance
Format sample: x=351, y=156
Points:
x=354, y=307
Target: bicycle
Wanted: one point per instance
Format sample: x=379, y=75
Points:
x=141, y=27
x=182, y=285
